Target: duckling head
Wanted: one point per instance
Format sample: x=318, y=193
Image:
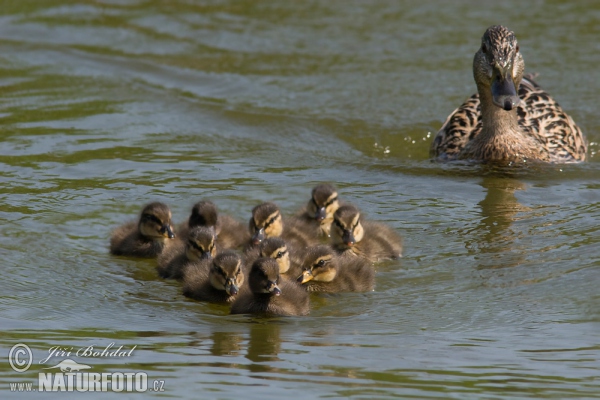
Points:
x=264, y=277
x=155, y=222
x=276, y=249
x=226, y=272
x=346, y=230
x=323, y=202
x=201, y=243
x=204, y=213
x=320, y=265
x=498, y=67
x=265, y=222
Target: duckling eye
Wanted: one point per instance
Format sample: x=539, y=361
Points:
x=338, y=224
x=517, y=49
x=483, y=48
x=330, y=202
x=269, y=222
x=321, y=263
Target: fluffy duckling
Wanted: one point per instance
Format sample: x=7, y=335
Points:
x=325, y=271
x=268, y=294
x=510, y=118
x=231, y=234
x=267, y=222
x=373, y=241
x=290, y=262
x=216, y=280
x=145, y=238
x=318, y=213
x=200, y=244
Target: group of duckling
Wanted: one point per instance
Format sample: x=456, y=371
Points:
x=270, y=265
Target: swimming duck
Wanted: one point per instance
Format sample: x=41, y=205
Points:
x=231, y=233
x=216, y=280
x=499, y=125
x=289, y=260
x=267, y=222
x=326, y=271
x=268, y=294
x=318, y=213
x=146, y=237
x=374, y=241
x=200, y=244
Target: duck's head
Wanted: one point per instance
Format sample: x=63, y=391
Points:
x=264, y=277
x=323, y=202
x=155, y=222
x=346, y=229
x=226, y=272
x=265, y=222
x=319, y=265
x=201, y=243
x=498, y=67
x=276, y=249
x=204, y=213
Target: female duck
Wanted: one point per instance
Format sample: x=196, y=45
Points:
x=500, y=125
x=146, y=237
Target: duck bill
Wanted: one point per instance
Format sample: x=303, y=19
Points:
x=231, y=288
x=258, y=236
x=305, y=277
x=504, y=92
x=167, y=231
x=348, y=239
x=321, y=214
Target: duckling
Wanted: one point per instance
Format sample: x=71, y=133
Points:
x=267, y=222
x=373, y=241
x=318, y=213
x=325, y=271
x=268, y=294
x=145, y=238
x=500, y=125
x=289, y=260
x=216, y=280
x=200, y=244
x=231, y=234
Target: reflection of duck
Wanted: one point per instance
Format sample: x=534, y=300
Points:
x=318, y=213
x=288, y=259
x=267, y=294
x=147, y=236
x=497, y=124
x=217, y=280
x=493, y=240
x=264, y=344
x=267, y=222
x=230, y=233
x=325, y=271
x=200, y=244
x=371, y=240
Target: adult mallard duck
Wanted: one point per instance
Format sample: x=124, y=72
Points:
x=499, y=125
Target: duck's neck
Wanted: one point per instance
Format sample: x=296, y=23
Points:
x=496, y=122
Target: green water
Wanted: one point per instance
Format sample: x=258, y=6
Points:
x=107, y=105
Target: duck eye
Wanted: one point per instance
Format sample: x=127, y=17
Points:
x=517, y=48
x=483, y=48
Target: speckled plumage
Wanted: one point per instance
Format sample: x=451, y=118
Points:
x=481, y=129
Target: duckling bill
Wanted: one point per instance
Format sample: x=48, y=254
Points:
x=147, y=237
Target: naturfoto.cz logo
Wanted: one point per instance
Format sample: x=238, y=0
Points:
x=69, y=375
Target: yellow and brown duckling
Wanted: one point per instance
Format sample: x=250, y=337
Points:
x=146, y=237
x=268, y=294
x=266, y=222
x=199, y=245
x=374, y=241
x=511, y=118
x=289, y=260
x=231, y=234
x=216, y=280
x=326, y=271
x=318, y=213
